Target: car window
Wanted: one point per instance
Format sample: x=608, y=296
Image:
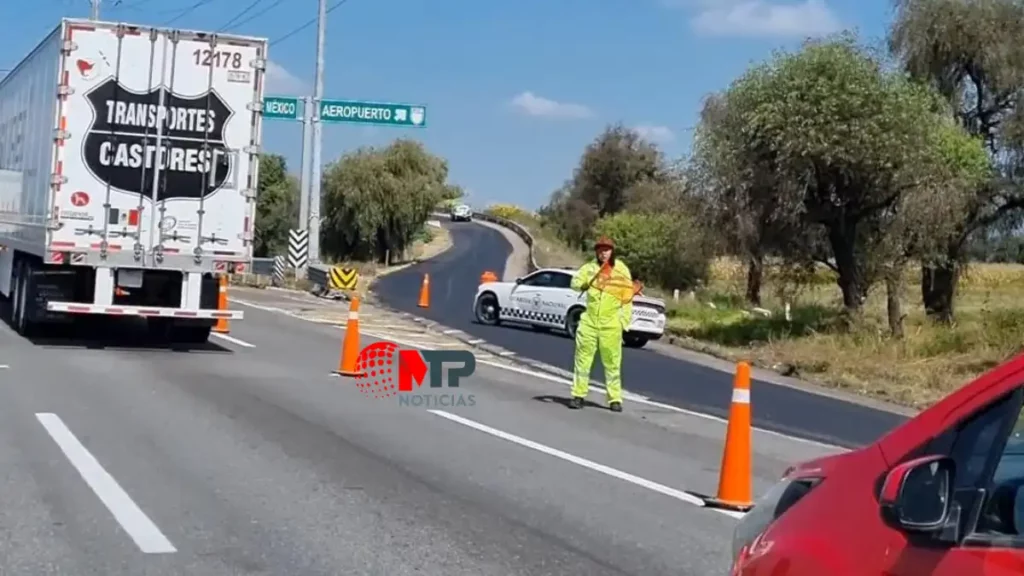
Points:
x=542, y=279
x=970, y=443
x=1004, y=509
x=561, y=280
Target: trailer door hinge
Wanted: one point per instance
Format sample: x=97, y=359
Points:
x=248, y=193
x=65, y=90
x=59, y=134
x=251, y=149
x=68, y=47
x=258, y=64
x=254, y=106
x=58, y=179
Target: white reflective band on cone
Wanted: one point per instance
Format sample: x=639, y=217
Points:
x=740, y=396
x=353, y=315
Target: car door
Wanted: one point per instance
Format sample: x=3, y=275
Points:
x=988, y=448
x=526, y=300
x=557, y=298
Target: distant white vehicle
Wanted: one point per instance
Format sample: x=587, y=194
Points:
x=544, y=300
x=462, y=212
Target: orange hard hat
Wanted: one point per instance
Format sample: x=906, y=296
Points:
x=604, y=242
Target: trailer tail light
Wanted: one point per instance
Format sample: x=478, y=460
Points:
x=133, y=217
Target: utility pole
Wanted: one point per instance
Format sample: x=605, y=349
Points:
x=304, y=193
x=95, y=10
x=315, y=178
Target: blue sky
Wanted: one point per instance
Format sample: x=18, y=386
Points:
x=514, y=89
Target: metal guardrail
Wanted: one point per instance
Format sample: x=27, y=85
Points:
x=262, y=267
x=317, y=274
x=520, y=231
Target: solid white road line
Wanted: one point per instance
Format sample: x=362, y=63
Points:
x=232, y=339
x=589, y=464
x=595, y=388
x=599, y=390
x=142, y=530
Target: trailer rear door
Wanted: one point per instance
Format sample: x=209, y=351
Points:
x=158, y=128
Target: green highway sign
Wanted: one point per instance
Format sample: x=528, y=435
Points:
x=350, y=111
x=281, y=108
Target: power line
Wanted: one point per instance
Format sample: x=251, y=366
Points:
x=254, y=16
x=239, y=15
x=188, y=11
x=330, y=9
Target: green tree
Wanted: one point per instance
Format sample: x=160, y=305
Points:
x=845, y=142
x=277, y=206
x=971, y=51
x=376, y=200
x=737, y=180
x=616, y=162
x=662, y=249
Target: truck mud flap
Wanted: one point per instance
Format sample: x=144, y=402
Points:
x=49, y=286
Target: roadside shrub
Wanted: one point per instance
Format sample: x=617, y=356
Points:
x=661, y=249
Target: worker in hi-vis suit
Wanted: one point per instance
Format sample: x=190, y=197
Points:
x=609, y=288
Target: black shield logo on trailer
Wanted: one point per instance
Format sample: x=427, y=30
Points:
x=121, y=146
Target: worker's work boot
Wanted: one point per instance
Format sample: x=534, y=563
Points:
x=576, y=403
x=615, y=406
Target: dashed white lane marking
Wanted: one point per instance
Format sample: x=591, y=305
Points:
x=142, y=530
x=589, y=464
x=4, y=366
x=233, y=340
x=595, y=388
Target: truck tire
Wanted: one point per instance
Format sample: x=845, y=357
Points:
x=24, y=303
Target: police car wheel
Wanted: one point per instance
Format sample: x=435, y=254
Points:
x=634, y=341
x=487, y=310
x=572, y=321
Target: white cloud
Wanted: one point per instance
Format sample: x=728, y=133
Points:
x=283, y=82
x=533, y=105
x=783, y=18
x=655, y=133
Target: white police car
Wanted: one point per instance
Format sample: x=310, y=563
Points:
x=462, y=212
x=544, y=300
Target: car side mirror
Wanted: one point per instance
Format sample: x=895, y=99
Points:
x=917, y=496
x=519, y=281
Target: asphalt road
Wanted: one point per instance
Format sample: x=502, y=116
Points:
x=249, y=458
x=454, y=278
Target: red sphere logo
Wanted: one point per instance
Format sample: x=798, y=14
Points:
x=378, y=364
x=79, y=199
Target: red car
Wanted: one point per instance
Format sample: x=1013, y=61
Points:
x=942, y=495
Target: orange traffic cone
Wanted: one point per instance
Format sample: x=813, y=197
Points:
x=347, y=364
x=735, y=485
x=425, y=292
x=222, y=326
x=488, y=276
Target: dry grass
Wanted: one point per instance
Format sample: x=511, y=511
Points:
x=924, y=366
x=928, y=363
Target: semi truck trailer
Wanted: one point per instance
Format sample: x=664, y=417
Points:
x=129, y=159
